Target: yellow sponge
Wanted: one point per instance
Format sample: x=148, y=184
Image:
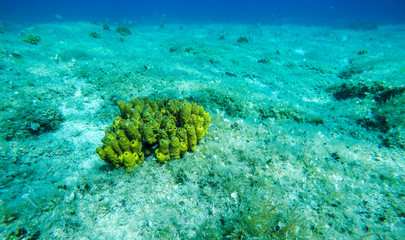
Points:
x=183, y=148
x=175, y=148
x=111, y=155
x=124, y=143
x=131, y=130
x=192, y=137
x=135, y=146
x=184, y=113
x=199, y=132
x=164, y=146
x=130, y=160
x=148, y=134
x=161, y=157
x=207, y=120
x=101, y=154
x=167, y=127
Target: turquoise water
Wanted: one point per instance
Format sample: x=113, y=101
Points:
x=306, y=139
x=316, y=12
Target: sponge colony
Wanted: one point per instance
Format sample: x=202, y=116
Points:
x=167, y=127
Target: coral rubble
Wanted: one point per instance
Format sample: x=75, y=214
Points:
x=32, y=39
x=123, y=31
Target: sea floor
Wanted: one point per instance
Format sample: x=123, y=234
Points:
x=307, y=138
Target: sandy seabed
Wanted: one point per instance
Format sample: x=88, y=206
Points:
x=307, y=138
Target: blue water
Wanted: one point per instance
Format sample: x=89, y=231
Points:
x=317, y=12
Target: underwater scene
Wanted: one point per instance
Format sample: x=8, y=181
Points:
x=173, y=119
